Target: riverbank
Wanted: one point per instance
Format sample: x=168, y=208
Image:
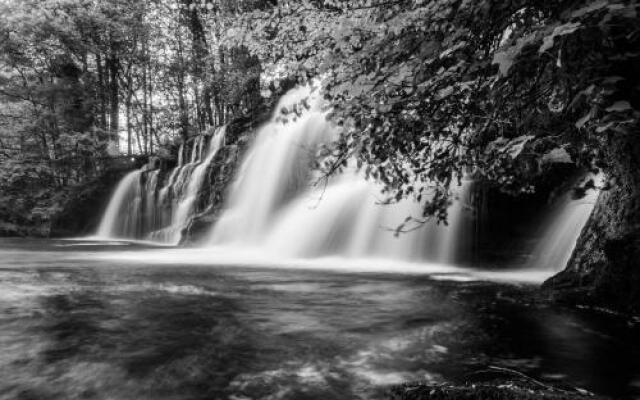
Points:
x=500, y=389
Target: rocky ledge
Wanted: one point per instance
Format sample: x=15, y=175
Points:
x=519, y=389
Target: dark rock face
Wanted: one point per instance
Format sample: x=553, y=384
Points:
x=604, y=269
x=497, y=240
x=211, y=199
x=220, y=176
x=82, y=210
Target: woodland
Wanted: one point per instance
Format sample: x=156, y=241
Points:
x=426, y=92
x=519, y=95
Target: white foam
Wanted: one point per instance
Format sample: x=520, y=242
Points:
x=247, y=257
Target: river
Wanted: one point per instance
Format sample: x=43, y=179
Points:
x=80, y=321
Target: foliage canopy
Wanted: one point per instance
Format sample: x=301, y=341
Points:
x=428, y=91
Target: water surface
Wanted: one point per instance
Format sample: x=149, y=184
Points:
x=78, y=324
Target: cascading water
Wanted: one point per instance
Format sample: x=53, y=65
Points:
x=274, y=206
x=276, y=170
x=141, y=209
x=186, y=186
x=273, y=211
x=120, y=218
x=562, y=230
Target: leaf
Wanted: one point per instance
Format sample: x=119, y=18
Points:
x=557, y=156
x=517, y=145
x=444, y=93
x=619, y=106
x=513, y=147
x=507, y=56
x=612, y=79
x=453, y=49
x=603, y=128
x=385, y=108
x=597, y=5
x=582, y=121
x=562, y=30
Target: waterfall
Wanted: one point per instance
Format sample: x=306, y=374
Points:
x=146, y=207
x=151, y=217
x=563, y=228
x=457, y=238
x=276, y=208
x=186, y=182
x=120, y=218
x=273, y=204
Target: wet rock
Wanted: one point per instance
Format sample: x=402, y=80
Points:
x=220, y=175
x=493, y=390
x=604, y=270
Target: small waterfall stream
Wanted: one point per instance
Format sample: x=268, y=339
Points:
x=122, y=211
x=142, y=209
x=185, y=187
x=563, y=228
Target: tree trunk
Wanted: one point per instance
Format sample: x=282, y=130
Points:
x=604, y=270
x=200, y=68
x=145, y=117
x=199, y=116
x=138, y=141
x=113, y=97
x=128, y=106
x=152, y=131
x=102, y=93
x=182, y=105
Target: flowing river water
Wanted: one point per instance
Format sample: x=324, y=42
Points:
x=88, y=320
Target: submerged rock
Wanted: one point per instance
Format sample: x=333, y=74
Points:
x=493, y=390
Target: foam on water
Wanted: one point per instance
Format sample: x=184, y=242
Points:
x=242, y=257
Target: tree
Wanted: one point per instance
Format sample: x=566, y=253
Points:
x=427, y=91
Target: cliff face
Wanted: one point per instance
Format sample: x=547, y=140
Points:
x=604, y=269
x=211, y=198
x=220, y=176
